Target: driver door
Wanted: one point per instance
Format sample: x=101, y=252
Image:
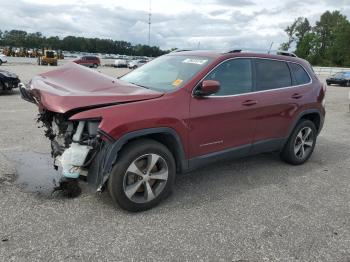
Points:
x=225, y=122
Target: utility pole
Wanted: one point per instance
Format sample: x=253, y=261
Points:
x=270, y=48
x=149, y=22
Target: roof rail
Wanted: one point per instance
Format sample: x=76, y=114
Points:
x=276, y=52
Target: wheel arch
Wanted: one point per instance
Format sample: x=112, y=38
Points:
x=164, y=135
x=313, y=115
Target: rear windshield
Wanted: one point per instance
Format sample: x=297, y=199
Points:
x=167, y=73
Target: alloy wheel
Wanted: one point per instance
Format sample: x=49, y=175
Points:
x=304, y=142
x=145, y=178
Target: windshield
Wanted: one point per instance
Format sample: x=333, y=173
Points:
x=167, y=73
x=339, y=75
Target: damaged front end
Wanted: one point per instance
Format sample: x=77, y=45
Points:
x=77, y=147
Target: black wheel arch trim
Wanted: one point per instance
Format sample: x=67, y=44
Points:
x=115, y=145
x=304, y=113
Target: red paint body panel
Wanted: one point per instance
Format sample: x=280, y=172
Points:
x=170, y=110
x=220, y=123
x=73, y=86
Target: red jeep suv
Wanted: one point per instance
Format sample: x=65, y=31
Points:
x=180, y=111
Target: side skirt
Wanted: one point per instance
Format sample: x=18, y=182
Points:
x=259, y=147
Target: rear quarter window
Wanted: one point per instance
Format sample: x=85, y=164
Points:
x=300, y=75
x=272, y=74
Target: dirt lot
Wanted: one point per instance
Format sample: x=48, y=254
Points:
x=253, y=209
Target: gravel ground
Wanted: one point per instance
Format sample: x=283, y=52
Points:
x=253, y=209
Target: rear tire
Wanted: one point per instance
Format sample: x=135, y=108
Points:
x=0, y=62
x=300, y=144
x=143, y=175
x=95, y=65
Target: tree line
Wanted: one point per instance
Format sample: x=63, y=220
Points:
x=327, y=43
x=19, y=38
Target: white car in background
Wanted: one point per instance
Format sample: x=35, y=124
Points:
x=136, y=63
x=120, y=63
x=3, y=59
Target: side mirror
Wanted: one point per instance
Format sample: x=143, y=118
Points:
x=207, y=88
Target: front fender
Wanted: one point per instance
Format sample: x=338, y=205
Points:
x=103, y=163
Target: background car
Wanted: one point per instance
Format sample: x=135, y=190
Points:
x=3, y=59
x=136, y=63
x=90, y=61
x=120, y=63
x=8, y=81
x=341, y=78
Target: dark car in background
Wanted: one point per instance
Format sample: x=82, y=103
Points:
x=341, y=78
x=8, y=81
x=89, y=61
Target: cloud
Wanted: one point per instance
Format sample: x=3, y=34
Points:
x=233, y=2
x=216, y=24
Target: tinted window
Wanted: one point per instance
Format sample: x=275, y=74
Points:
x=235, y=77
x=271, y=74
x=301, y=77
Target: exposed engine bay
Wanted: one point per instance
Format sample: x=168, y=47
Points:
x=74, y=144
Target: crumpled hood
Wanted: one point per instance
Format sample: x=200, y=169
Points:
x=74, y=86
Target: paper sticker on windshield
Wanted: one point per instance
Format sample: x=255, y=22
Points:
x=195, y=61
x=177, y=82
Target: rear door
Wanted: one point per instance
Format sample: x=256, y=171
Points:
x=225, y=120
x=280, y=95
x=84, y=61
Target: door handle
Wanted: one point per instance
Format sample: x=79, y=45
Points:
x=297, y=96
x=249, y=102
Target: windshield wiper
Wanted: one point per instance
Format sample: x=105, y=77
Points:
x=139, y=85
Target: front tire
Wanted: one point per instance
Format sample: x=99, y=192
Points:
x=300, y=144
x=143, y=175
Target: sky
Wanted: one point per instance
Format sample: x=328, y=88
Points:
x=191, y=24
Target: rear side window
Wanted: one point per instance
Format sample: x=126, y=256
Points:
x=300, y=75
x=271, y=74
x=235, y=77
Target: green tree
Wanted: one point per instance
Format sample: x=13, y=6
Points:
x=326, y=27
x=18, y=38
x=327, y=43
x=296, y=32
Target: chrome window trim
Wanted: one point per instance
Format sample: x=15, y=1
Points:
x=254, y=92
